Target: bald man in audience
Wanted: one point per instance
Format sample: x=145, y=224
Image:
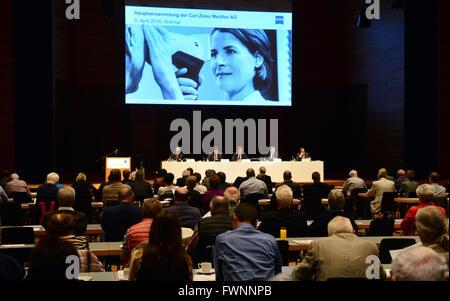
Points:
x=208, y=228
x=340, y=255
x=117, y=219
x=66, y=197
x=419, y=264
x=293, y=221
x=188, y=215
x=353, y=182
x=16, y=185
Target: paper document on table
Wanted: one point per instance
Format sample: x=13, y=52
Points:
x=394, y=253
x=302, y=242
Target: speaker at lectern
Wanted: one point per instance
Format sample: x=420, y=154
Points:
x=121, y=163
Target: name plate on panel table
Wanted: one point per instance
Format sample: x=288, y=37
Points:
x=190, y=160
x=225, y=160
x=118, y=162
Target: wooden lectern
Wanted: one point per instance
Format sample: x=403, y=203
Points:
x=121, y=163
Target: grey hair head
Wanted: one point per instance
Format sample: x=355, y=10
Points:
x=419, y=264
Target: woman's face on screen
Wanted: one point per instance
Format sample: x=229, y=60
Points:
x=232, y=64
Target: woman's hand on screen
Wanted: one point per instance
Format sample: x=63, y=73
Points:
x=161, y=60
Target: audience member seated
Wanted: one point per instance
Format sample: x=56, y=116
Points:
x=208, y=173
x=223, y=180
x=168, y=185
x=293, y=221
x=232, y=196
x=266, y=179
x=117, y=219
x=340, y=255
x=336, y=201
x=246, y=253
x=61, y=225
x=400, y=179
x=16, y=185
x=10, y=269
x=252, y=186
x=439, y=191
x=378, y=188
x=48, y=260
x=188, y=215
x=84, y=191
x=195, y=197
x=208, y=228
x=159, y=180
x=126, y=177
x=213, y=190
x=317, y=189
x=110, y=192
x=432, y=229
x=351, y=183
x=47, y=194
x=163, y=257
x=409, y=185
x=425, y=193
x=66, y=197
x=141, y=188
x=182, y=181
x=419, y=264
x=199, y=187
x=139, y=232
x=287, y=180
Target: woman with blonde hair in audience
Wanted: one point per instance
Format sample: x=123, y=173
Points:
x=163, y=257
x=84, y=191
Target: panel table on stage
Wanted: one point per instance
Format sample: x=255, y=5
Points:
x=301, y=171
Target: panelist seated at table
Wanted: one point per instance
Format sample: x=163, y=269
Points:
x=216, y=155
x=302, y=155
x=239, y=155
x=177, y=155
x=272, y=154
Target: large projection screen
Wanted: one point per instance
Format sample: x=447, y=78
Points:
x=178, y=56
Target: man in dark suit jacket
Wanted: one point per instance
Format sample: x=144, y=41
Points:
x=66, y=197
x=336, y=200
x=181, y=182
x=239, y=180
x=117, y=219
x=302, y=155
x=239, y=155
x=177, y=156
x=266, y=179
x=273, y=154
x=317, y=189
x=293, y=221
x=188, y=215
x=215, y=155
x=46, y=193
x=141, y=188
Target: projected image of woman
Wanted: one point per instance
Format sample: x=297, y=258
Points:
x=240, y=62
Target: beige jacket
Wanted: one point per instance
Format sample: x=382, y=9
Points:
x=340, y=255
x=377, y=190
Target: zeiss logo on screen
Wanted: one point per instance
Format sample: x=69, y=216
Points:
x=279, y=20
